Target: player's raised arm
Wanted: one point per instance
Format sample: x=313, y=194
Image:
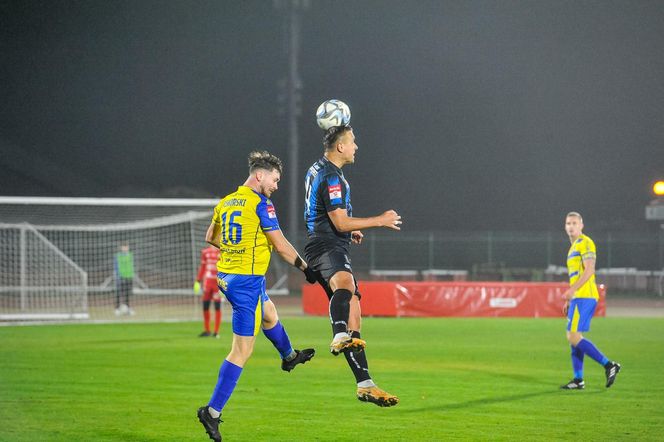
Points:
x=288, y=253
x=344, y=223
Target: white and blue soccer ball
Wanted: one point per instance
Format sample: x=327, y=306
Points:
x=332, y=113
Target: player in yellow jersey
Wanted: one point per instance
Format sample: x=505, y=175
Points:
x=245, y=229
x=580, y=302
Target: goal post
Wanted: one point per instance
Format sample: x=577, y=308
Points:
x=44, y=283
x=105, y=259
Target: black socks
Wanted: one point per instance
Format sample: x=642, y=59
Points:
x=357, y=361
x=339, y=310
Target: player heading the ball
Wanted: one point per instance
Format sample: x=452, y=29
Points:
x=331, y=227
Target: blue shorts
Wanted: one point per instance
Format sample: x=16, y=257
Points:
x=579, y=314
x=246, y=293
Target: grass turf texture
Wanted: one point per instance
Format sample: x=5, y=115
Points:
x=465, y=379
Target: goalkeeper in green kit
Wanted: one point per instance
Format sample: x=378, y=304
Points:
x=124, y=280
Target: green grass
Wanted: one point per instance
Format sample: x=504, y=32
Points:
x=464, y=379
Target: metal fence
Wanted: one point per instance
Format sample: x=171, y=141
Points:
x=463, y=250
x=627, y=261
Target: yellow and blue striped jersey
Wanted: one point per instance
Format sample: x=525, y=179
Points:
x=243, y=217
x=582, y=248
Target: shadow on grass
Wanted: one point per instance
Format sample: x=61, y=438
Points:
x=497, y=400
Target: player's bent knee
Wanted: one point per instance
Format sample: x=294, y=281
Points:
x=342, y=280
x=574, y=338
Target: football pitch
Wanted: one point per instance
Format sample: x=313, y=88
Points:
x=458, y=379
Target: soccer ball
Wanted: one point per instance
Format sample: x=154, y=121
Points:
x=332, y=113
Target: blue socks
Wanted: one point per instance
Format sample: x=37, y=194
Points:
x=229, y=373
x=577, y=362
x=279, y=338
x=589, y=348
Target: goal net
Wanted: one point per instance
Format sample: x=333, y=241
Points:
x=104, y=259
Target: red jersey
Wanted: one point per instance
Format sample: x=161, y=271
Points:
x=207, y=272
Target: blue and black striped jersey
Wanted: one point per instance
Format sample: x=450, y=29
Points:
x=326, y=190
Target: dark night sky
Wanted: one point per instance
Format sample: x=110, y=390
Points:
x=468, y=114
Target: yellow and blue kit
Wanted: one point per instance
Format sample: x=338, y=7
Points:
x=243, y=218
x=583, y=304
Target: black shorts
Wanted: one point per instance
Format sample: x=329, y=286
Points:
x=328, y=260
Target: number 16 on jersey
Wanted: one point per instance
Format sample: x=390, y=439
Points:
x=230, y=230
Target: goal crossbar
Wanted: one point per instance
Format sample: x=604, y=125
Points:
x=138, y=202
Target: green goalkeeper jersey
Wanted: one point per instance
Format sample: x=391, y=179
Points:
x=124, y=265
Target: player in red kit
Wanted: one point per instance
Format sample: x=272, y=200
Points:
x=207, y=278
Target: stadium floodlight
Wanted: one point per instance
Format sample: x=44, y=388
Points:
x=658, y=188
x=655, y=210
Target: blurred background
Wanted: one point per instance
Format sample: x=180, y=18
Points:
x=482, y=123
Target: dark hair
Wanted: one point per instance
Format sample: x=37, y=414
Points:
x=264, y=160
x=333, y=134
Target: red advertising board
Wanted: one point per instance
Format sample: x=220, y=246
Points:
x=451, y=298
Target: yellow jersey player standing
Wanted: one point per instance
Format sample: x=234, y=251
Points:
x=245, y=229
x=580, y=302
